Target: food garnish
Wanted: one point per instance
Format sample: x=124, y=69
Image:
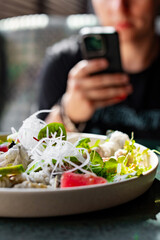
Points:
x=40, y=155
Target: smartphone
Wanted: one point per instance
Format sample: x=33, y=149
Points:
x=101, y=42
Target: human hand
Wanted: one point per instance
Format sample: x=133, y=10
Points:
x=86, y=93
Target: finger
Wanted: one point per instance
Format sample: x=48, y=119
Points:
x=108, y=93
x=87, y=67
x=106, y=103
x=103, y=80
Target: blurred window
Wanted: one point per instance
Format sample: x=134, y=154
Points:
x=11, y=8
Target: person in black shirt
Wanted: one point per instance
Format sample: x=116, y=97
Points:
x=130, y=101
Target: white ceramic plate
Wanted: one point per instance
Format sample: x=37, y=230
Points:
x=43, y=203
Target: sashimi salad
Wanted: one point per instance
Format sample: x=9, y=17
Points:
x=41, y=155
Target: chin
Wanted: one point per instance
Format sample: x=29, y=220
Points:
x=127, y=37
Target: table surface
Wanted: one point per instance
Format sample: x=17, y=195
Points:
x=135, y=220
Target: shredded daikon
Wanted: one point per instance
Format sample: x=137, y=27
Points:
x=54, y=154
x=30, y=129
x=50, y=153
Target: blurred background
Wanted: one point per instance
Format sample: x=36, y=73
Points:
x=12, y=8
x=27, y=28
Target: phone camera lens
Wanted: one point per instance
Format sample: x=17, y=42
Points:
x=93, y=43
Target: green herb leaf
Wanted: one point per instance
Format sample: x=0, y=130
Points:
x=36, y=167
x=83, y=143
x=52, y=128
x=105, y=169
x=111, y=166
x=73, y=159
x=96, y=144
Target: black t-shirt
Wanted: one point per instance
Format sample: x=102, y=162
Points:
x=139, y=113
